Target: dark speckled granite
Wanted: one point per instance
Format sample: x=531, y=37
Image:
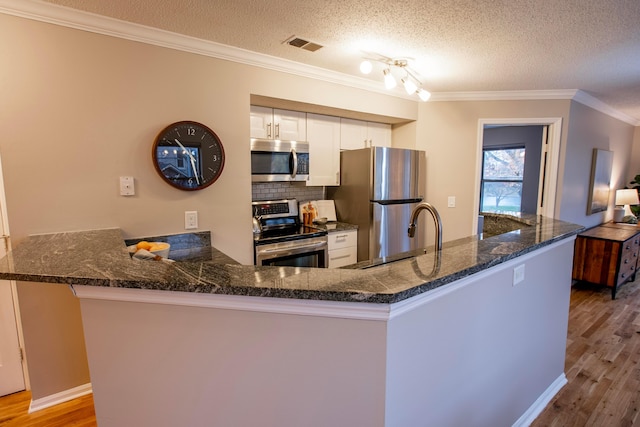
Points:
x=100, y=258
x=336, y=227
x=495, y=224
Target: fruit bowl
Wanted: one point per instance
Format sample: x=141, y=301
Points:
x=320, y=221
x=156, y=248
x=160, y=248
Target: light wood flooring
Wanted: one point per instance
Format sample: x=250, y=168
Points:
x=603, y=361
x=78, y=412
x=602, y=367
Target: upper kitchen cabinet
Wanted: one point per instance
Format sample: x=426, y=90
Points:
x=356, y=134
x=271, y=123
x=323, y=135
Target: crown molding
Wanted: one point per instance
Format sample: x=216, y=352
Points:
x=510, y=95
x=576, y=95
x=590, y=101
x=90, y=22
x=85, y=21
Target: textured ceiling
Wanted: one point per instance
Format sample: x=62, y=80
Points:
x=454, y=45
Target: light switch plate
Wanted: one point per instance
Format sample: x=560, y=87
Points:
x=127, y=187
x=451, y=202
x=518, y=274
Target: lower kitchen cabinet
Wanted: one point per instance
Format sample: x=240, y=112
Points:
x=343, y=248
x=607, y=255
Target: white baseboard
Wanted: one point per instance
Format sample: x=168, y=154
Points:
x=63, y=396
x=538, y=406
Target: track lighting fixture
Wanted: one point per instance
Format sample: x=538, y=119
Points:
x=409, y=85
x=366, y=67
x=423, y=94
x=389, y=80
x=410, y=82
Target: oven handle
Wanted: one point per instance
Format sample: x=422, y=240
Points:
x=294, y=249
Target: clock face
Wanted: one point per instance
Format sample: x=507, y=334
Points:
x=188, y=155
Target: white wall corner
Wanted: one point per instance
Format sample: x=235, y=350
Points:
x=61, y=397
x=538, y=406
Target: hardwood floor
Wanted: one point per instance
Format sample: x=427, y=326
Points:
x=78, y=412
x=602, y=367
x=603, y=361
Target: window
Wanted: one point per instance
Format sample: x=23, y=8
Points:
x=502, y=174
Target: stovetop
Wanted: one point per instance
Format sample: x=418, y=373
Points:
x=287, y=234
x=280, y=222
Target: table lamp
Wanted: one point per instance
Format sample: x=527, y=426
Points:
x=625, y=197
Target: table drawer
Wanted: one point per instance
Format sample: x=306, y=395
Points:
x=628, y=259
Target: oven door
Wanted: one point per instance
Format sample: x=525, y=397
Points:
x=312, y=252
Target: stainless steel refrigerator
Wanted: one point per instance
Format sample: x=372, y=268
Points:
x=379, y=187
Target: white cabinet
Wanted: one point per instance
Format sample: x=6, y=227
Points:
x=379, y=134
x=356, y=134
x=323, y=135
x=343, y=248
x=271, y=123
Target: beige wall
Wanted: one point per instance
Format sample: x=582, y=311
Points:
x=54, y=338
x=634, y=162
x=589, y=129
x=82, y=109
x=448, y=132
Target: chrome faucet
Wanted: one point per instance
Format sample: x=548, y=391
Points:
x=436, y=218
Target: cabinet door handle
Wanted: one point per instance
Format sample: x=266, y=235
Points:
x=268, y=130
x=277, y=130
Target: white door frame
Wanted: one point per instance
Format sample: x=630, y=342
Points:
x=553, y=160
x=5, y=235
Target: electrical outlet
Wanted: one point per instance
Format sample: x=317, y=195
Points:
x=451, y=202
x=518, y=274
x=190, y=220
x=127, y=187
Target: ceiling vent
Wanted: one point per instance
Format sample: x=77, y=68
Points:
x=302, y=44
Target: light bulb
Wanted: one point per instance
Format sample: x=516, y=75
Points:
x=389, y=80
x=366, y=67
x=409, y=86
x=424, y=94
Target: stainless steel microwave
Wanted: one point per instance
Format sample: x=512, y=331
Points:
x=275, y=160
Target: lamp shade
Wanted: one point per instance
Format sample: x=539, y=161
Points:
x=627, y=197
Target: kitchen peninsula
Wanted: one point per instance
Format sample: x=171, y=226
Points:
x=474, y=336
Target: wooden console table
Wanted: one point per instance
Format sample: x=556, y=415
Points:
x=607, y=255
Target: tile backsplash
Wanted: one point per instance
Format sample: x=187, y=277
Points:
x=285, y=190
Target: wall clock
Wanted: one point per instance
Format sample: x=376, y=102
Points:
x=188, y=155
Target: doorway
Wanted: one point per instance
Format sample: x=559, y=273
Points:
x=511, y=160
x=549, y=161
x=13, y=373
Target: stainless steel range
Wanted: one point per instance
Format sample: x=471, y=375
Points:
x=282, y=240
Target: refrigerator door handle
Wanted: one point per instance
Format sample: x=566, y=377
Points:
x=397, y=202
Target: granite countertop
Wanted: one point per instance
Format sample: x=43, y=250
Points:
x=100, y=258
x=336, y=227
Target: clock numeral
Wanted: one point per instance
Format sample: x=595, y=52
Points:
x=191, y=131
